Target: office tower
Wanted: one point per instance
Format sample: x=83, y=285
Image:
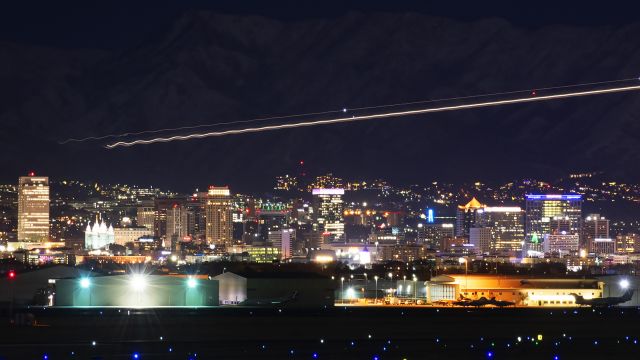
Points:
x=145, y=215
x=466, y=216
x=283, y=240
x=180, y=223
x=506, y=224
x=627, y=243
x=594, y=227
x=33, y=208
x=328, y=213
x=219, y=220
x=271, y=220
x=480, y=238
x=542, y=209
x=433, y=236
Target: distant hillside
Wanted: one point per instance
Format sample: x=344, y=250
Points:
x=211, y=68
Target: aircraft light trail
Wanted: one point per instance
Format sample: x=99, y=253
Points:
x=370, y=117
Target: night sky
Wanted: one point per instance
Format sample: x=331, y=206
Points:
x=74, y=69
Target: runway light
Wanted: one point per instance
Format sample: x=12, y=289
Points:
x=85, y=283
x=191, y=283
x=624, y=283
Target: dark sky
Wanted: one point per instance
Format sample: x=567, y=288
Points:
x=67, y=84
x=115, y=24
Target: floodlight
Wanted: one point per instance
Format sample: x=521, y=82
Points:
x=624, y=283
x=138, y=282
x=191, y=283
x=85, y=283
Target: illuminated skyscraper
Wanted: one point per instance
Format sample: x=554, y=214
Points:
x=594, y=227
x=33, y=208
x=506, y=224
x=180, y=223
x=328, y=213
x=219, y=218
x=466, y=217
x=145, y=216
x=540, y=212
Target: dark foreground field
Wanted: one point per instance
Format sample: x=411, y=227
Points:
x=339, y=333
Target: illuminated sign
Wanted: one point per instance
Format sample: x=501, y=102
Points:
x=327, y=191
x=430, y=216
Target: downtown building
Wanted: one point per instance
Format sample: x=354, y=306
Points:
x=328, y=217
x=219, y=229
x=505, y=227
x=33, y=208
x=541, y=210
x=466, y=217
x=595, y=230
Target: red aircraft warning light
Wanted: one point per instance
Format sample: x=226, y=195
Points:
x=31, y=173
x=12, y=274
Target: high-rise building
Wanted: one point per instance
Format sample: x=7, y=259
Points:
x=433, y=236
x=466, y=217
x=33, y=208
x=283, y=240
x=219, y=230
x=603, y=246
x=594, y=227
x=328, y=213
x=506, y=224
x=542, y=209
x=180, y=223
x=480, y=237
x=145, y=216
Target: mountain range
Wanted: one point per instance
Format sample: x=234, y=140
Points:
x=210, y=68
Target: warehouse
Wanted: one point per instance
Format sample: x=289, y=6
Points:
x=137, y=290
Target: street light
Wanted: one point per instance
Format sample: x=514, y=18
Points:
x=342, y=290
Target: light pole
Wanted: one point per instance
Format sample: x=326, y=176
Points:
x=342, y=290
x=415, y=289
x=376, y=279
x=391, y=284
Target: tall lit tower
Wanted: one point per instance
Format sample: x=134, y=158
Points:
x=33, y=208
x=328, y=213
x=541, y=211
x=219, y=228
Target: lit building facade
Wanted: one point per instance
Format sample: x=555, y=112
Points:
x=542, y=209
x=466, y=217
x=33, y=208
x=627, y=243
x=123, y=235
x=506, y=224
x=219, y=230
x=145, y=216
x=561, y=243
x=594, y=227
x=283, y=239
x=433, y=236
x=480, y=238
x=328, y=213
x=98, y=236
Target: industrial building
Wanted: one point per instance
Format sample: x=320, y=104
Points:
x=522, y=291
x=265, y=289
x=136, y=290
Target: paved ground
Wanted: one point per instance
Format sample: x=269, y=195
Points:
x=336, y=333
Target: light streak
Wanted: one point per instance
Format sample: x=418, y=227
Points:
x=370, y=117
